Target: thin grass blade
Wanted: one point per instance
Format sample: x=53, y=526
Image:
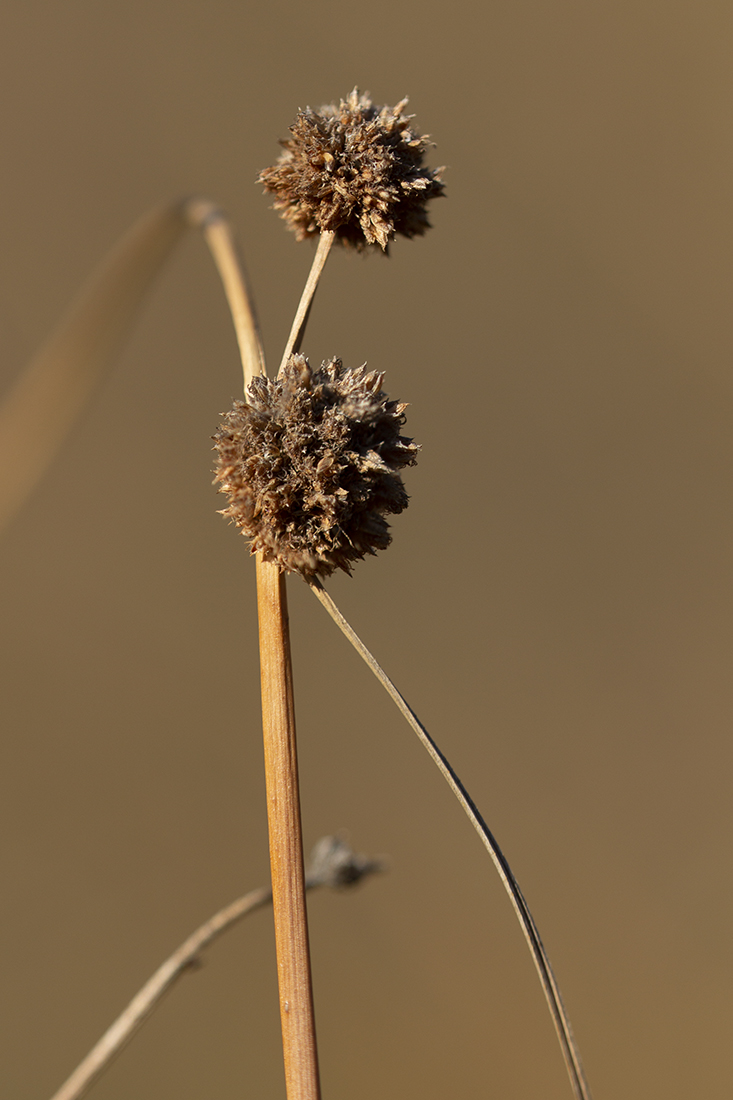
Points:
x=560, y=1018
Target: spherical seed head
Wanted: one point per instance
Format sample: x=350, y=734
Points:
x=310, y=464
x=356, y=169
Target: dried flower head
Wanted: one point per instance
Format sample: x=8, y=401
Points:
x=356, y=169
x=310, y=465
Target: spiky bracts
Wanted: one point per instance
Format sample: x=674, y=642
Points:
x=310, y=464
x=356, y=169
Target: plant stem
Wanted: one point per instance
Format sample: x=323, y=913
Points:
x=332, y=864
x=143, y=1003
x=301, y=317
x=560, y=1018
x=50, y=394
x=217, y=232
x=278, y=706
x=286, y=846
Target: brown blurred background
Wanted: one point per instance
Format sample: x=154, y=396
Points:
x=557, y=604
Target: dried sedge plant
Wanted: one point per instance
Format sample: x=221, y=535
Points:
x=310, y=462
x=311, y=465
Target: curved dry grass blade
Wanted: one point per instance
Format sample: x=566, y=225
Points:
x=217, y=231
x=56, y=384
x=332, y=864
x=569, y=1047
x=325, y=241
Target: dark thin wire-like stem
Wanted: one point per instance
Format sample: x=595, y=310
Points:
x=551, y=989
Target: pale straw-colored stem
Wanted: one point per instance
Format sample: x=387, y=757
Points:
x=301, y=317
x=560, y=1018
x=56, y=385
x=143, y=1003
x=332, y=864
x=217, y=232
x=286, y=846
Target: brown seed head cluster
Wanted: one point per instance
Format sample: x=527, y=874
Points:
x=356, y=169
x=311, y=466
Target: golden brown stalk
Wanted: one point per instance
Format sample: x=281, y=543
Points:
x=278, y=720
x=286, y=846
x=50, y=393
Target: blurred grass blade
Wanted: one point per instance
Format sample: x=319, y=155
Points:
x=55, y=386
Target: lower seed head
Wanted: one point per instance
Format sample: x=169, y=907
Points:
x=310, y=464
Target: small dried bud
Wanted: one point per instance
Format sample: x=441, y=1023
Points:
x=356, y=169
x=333, y=863
x=310, y=465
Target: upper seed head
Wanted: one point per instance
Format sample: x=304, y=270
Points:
x=355, y=169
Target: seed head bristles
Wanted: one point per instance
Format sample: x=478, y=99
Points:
x=356, y=169
x=311, y=466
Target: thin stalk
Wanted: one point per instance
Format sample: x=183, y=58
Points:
x=286, y=846
x=332, y=864
x=301, y=317
x=560, y=1018
x=143, y=1003
x=217, y=232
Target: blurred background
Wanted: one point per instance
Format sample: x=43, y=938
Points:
x=557, y=604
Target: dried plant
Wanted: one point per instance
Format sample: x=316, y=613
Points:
x=311, y=464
